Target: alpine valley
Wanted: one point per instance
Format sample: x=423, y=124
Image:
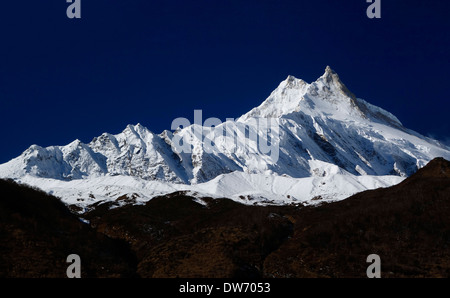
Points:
x=331, y=145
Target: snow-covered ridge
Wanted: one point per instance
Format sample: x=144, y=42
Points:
x=251, y=189
x=320, y=126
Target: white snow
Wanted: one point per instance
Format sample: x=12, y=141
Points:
x=243, y=187
x=331, y=144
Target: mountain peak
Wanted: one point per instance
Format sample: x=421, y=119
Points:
x=291, y=78
x=292, y=82
x=284, y=99
x=328, y=70
x=326, y=95
x=320, y=127
x=137, y=129
x=330, y=77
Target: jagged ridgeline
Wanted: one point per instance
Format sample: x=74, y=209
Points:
x=329, y=143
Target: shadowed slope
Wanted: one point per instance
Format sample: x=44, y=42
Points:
x=407, y=225
x=38, y=232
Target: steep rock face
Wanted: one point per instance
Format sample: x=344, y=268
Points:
x=321, y=121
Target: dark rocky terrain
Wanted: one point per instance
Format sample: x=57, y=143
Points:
x=38, y=232
x=407, y=225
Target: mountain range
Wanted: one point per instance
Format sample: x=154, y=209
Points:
x=330, y=145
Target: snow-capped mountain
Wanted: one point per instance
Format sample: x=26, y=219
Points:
x=322, y=130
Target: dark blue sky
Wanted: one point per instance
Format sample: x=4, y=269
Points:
x=150, y=62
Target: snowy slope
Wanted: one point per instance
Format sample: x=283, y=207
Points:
x=243, y=187
x=323, y=132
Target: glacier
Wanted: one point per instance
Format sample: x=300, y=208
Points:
x=330, y=144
